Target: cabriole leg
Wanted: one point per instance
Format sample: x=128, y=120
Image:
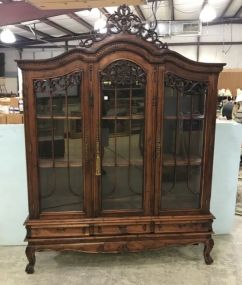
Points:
x=30, y=253
x=208, y=246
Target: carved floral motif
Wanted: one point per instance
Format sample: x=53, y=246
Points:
x=57, y=83
x=186, y=86
x=123, y=72
x=124, y=20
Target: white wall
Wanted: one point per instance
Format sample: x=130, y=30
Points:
x=13, y=185
x=230, y=54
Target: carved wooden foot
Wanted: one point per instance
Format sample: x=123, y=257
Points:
x=30, y=253
x=206, y=252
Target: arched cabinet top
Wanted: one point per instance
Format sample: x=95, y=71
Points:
x=125, y=43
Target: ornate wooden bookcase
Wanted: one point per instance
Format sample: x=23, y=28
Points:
x=119, y=144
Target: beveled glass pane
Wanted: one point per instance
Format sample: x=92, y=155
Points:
x=138, y=102
x=182, y=137
x=73, y=101
x=59, y=130
x=108, y=142
x=58, y=96
x=122, y=136
x=181, y=187
x=124, y=147
x=122, y=187
x=137, y=142
x=170, y=102
x=61, y=189
x=43, y=99
x=123, y=101
x=108, y=102
x=60, y=140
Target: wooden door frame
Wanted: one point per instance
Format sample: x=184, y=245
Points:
x=208, y=138
x=32, y=143
x=149, y=133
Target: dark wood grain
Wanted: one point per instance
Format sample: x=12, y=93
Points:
x=93, y=229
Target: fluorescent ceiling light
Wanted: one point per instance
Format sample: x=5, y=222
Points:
x=208, y=13
x=7, y=36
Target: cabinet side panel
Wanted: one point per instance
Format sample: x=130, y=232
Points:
x=209, y=140
x=30, y=141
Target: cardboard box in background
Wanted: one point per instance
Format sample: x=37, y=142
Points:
x=230, y=78
x=14, y=102
x=3, y=119
x=14, y=118
x=5, y=101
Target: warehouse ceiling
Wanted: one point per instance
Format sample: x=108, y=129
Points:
x=34, y=25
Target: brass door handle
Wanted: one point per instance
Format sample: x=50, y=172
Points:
x=98, y=159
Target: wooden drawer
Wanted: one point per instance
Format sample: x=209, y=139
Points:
x=182, y=227
x=122, y=229
x=60, y=231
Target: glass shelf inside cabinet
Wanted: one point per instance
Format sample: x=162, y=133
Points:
x=59, y=136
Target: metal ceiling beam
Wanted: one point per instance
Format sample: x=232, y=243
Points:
x=21, y=41
x=203, y=4
x=172, y=10
x=104, y=12
x=169, y=45
x=237, y=14
x=68, y=38
x=80, y=21
x=58, y=27
x=140, y=12
x=25, y=41
x=204, y=43
x=221, y=21
x=226, y=8
x=37, y=32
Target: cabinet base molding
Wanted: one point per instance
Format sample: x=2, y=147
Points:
x=113, y=246
x=157, y=233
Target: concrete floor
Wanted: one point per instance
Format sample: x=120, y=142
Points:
x=169, y=266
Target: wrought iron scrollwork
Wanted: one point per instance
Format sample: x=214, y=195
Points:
x=124, y=20
x=123, y=72
x=185, y=86
x=58, y=83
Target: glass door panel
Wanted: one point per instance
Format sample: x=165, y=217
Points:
x=182, y=136
x=181, y=187
x=123, y=86
x=60, y=135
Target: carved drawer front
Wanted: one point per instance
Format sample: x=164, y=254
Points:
x=60, y=231
x=121, y=229
x=182, y=227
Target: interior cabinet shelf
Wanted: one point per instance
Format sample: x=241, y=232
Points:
x=46, y=163
x=122, y=88
x=133, y=117
x=184, y=117
x=56, y=117
x=123, y=163
x=170, y=160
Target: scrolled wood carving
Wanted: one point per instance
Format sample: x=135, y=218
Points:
x=124, y=21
